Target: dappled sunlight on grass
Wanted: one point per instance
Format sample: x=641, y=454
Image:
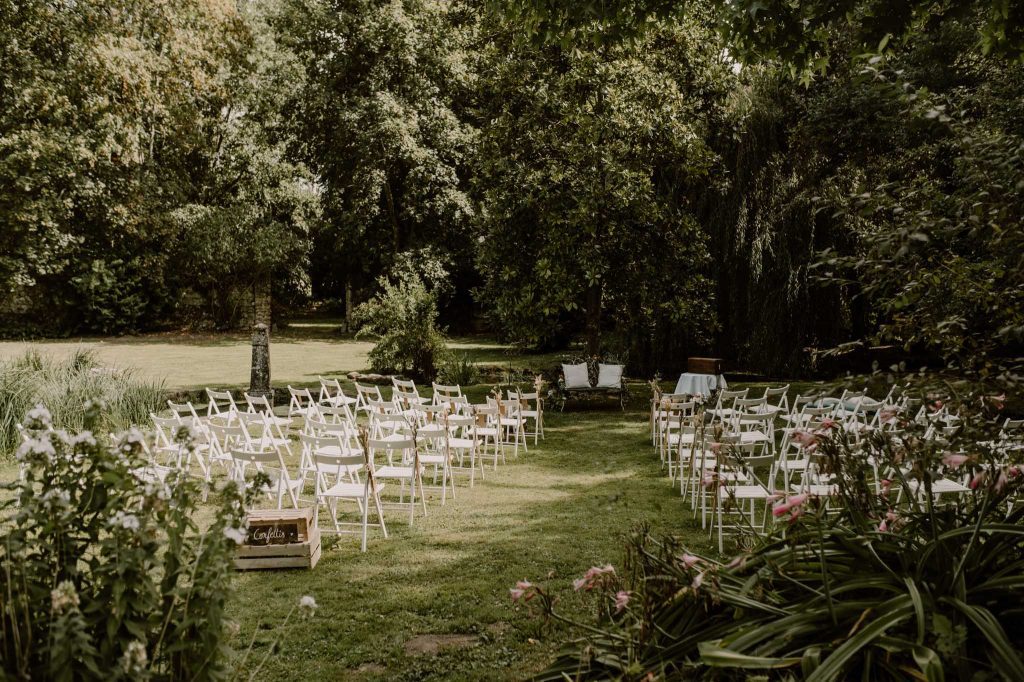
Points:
x=557, y=510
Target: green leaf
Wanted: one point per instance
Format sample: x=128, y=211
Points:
x=719, y=657
x=836, y=662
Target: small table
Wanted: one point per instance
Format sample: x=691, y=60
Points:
x=691, y=383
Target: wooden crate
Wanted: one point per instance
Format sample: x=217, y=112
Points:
x=704, y=365
x=279, y=538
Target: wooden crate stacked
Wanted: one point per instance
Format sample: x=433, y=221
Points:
x=279, y=538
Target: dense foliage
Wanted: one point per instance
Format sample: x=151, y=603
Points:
x=583, y=173
x=138, y=176
x=402, y=318
x=759, y=180
x=104, y=571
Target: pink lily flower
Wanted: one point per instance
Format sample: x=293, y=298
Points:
x=805, y=439
x=737, y=562
x=828, y=423
x=953, y=460
x=689, y=560
x=621, y=600
x=883, y=527
x=698, y=581
x=978, y=479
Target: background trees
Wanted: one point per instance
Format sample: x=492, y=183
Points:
x=751, y=179
x=583, y=176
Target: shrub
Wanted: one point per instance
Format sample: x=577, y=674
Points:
x=403, y=318
x=459, y=371
x=106, y=575
x=873, y=590
x=64, y=386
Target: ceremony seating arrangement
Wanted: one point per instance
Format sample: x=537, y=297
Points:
x=348, y=457
x=733, y=456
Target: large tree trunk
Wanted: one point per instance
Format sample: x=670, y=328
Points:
x=594, y=319
x=261, y=301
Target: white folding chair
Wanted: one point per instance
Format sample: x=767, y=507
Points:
x=462, y=444
x=739, y=495
x=280, y=426
x=220, y=403
x=300, y=400
x=402, y=465
x=343, y=475
x=331, y=393
x=534, y=412
x=273, y=465
x=441, y=392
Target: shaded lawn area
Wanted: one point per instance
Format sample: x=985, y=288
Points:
x=557, y=510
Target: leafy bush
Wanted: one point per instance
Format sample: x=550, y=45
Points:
x=65, y=386
x=459, y=371
x=403, y=317
x=869, y=589
x=105, y=573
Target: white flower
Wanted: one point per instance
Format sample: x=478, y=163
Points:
x=85, y=437
x=126, y=521
x=157, y=489
x=56, y=498
x=39, y=417
x=133, y=660
x=236, y=534
x=63, y=598
x=307, y=606
x=33, y=448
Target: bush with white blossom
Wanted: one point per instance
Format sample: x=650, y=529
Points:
x=104, y=572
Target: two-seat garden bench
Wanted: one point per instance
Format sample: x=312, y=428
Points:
x=585, y=381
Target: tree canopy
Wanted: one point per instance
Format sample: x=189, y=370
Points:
x=759, y=179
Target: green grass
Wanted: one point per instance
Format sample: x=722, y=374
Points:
x=560, y=508
x=191, y=361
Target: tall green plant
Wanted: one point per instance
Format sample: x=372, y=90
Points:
x=403, y=319
x=64, y=386
x=105, y=572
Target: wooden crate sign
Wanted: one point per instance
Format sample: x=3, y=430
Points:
x=281, y=533
x=704, y=365
x=279, y=538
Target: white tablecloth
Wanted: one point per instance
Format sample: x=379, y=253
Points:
x=699, y=384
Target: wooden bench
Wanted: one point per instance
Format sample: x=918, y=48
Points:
x=588, y=380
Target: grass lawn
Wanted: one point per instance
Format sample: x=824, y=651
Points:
x=297, y=356
x=557, y=510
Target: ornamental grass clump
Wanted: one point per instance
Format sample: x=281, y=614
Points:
x=104, y=571
x=64, y=385
x=882, y=581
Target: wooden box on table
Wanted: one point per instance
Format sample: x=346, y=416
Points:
x=704, y=365
x=279, y=538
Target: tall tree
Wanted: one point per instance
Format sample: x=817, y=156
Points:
x=377, y=124
x=583, y=172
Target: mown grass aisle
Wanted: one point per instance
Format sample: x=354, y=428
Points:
x=432, y=601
